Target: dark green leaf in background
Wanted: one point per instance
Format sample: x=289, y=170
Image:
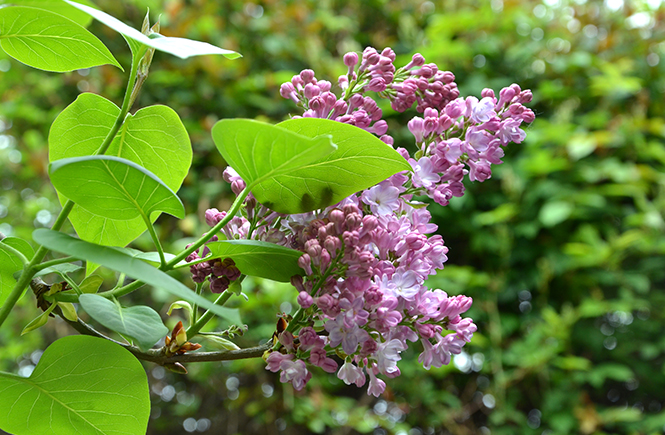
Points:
x=48, y=41
x=83, y=385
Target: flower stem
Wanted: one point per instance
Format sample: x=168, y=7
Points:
x=214, y=230
x=205, y=318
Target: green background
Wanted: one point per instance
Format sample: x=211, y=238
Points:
x=563, y=249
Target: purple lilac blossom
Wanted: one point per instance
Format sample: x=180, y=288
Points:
x=367, y=258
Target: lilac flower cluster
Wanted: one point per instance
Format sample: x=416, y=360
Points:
x=364, y=298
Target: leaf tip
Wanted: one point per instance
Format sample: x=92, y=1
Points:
x=232, y=55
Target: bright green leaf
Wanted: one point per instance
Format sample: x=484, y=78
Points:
x=38, y=321
x=57, y=6
x=91, y=284
x=266, y=157
x=48, y=41
x=83, y=385
x=219, y=342
x=361, y=161
x=153, y=137
x=255, y=258
x=180, y=47
x=68, y=311
x=138, y=269
x=20, y=245
x=113, y=187
x=139, y=322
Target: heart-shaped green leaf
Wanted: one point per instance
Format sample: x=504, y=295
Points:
x=138, y=269
x=255, y=258
x=180, y=47
x=267, y=155
x=360, y=161
x=139, y=322
x=153, y=137
x=81, y=385
x=114, y=187
x=48, y=41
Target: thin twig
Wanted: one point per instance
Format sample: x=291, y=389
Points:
x=159, y=357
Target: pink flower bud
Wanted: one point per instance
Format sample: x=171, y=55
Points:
x=487, y=92
x=351, y=59
x=286, y=90
x=389, y=53
x=305, y=300
x=311, y=91
x=416, y=60
x=307, y=76
x=377, y=84
x=417, y=128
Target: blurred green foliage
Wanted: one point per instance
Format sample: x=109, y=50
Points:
x=563, y=250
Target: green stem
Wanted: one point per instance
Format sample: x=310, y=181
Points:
x=17, y=291
x=205, y=318
x=155, y=240
x=214, y=230
x=109, y=294
x=124, y=109
x=195, y=308
x=50, y=263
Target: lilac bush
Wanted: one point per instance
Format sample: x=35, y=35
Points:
x=363, y=297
